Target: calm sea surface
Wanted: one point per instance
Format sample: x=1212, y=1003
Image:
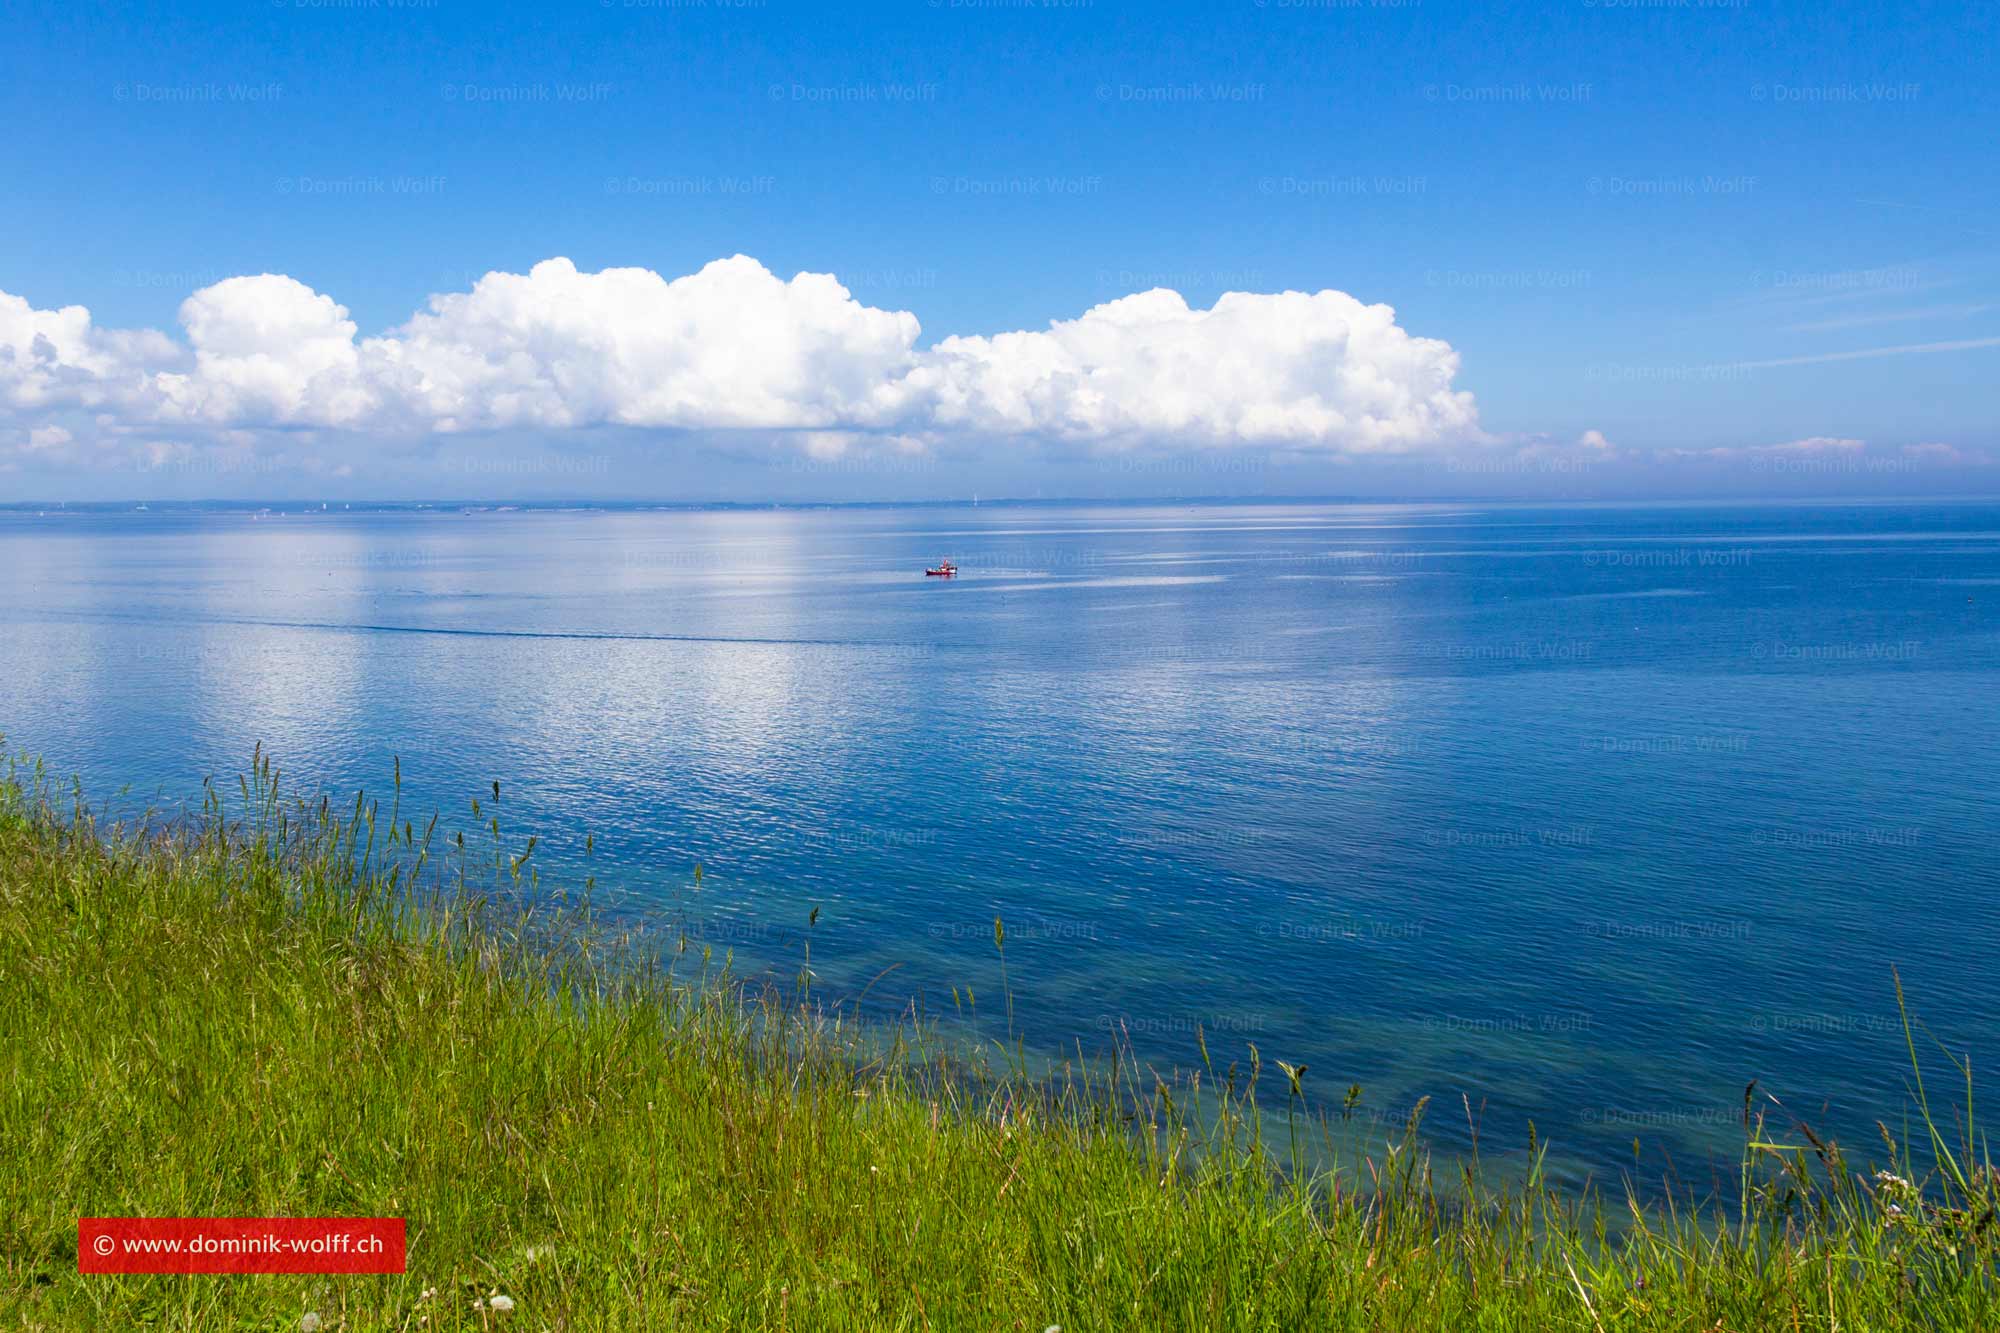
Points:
x=1591, y=814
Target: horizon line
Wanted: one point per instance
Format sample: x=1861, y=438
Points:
x=136, y=503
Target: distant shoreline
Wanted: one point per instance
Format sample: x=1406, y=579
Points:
x=449, y=506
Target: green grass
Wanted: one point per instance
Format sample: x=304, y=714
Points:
x=255, y=1015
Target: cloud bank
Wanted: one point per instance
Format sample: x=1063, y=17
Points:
x=734, y=348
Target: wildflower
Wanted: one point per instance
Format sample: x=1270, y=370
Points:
x=311, y=1322
x=500, y=1304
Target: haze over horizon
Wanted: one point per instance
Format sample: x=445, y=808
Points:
x=756, y=252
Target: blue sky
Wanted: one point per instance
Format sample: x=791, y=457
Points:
x=1689, y=228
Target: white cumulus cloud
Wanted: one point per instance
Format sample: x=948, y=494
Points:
x=53, y=359
x=729, y=347
x=734, y=347
x=1319, y=370
x=267, y=349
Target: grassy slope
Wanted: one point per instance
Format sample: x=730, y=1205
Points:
x=212, y=1025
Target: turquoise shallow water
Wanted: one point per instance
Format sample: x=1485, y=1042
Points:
x=1589, y=815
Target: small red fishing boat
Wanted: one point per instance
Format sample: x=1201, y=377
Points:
x=945, y=570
